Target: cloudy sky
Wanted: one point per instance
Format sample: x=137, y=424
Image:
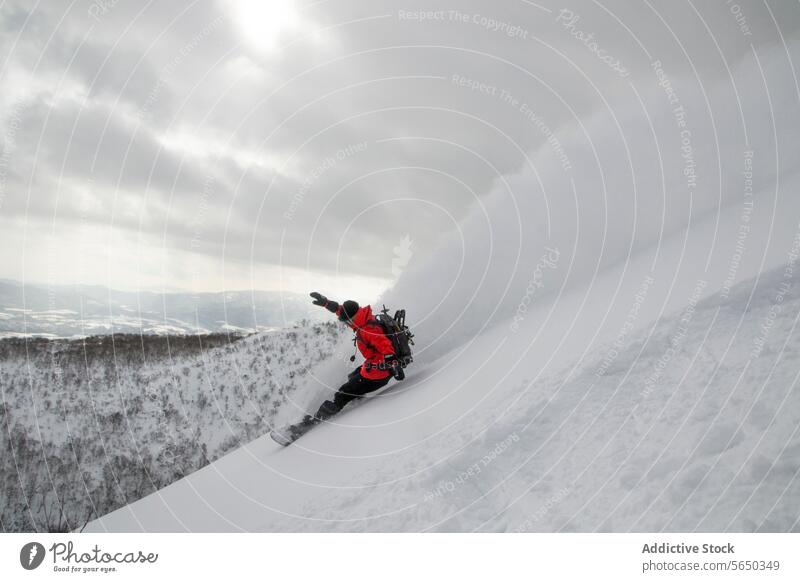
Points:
x=327, y=145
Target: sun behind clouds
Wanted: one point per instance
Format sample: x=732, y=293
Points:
x=264, y=22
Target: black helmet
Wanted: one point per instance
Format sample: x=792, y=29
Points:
x=348, y=311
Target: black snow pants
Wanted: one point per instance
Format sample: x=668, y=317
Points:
x=355, y=387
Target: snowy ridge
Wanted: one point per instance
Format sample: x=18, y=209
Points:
x=711, y=445
x=544, y=433
x=584, y=351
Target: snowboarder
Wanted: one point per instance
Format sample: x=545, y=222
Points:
x=379, y=367
x=379, y=359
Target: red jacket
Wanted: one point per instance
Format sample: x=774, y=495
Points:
x=371, y=341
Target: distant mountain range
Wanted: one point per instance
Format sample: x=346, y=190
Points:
x=84, y=310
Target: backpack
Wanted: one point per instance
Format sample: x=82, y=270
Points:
x=397, y=331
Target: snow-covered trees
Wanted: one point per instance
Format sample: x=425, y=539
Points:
x=91, y=424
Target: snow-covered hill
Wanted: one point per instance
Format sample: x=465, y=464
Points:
x=693, y=426
x=609, y=345
x=91, y=425
x=662, y=396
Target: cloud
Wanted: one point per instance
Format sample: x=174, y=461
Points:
x=638, y=173
x=130, y=112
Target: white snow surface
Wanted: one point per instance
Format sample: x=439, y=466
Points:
x=625, y=404
x=611, y=347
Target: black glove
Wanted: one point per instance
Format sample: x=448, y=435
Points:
x=394, y=366
x=322, y=301
x=398, y=373
x=319, y=299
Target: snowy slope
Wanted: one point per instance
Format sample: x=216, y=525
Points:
x=624, y=404
x=601, y=347
x=709, y=441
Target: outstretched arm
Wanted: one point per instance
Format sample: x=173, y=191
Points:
x=322, y=301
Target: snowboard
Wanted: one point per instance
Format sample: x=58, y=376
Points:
x=291, y=432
